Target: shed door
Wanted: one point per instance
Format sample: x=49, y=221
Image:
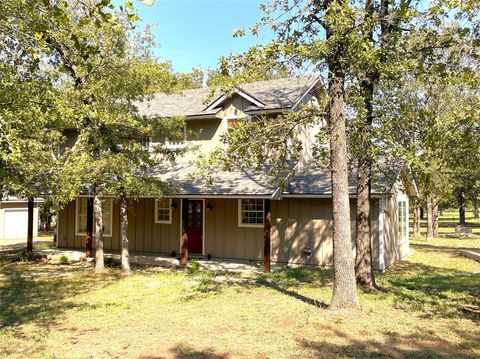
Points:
x=15, y=223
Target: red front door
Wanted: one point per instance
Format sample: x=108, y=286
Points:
x=194, y=226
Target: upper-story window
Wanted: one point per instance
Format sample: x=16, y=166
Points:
x=232, y=122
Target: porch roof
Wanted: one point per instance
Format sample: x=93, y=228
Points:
x=311, y=179
x=240, y=182
x=315, y=179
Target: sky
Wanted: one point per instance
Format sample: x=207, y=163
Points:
x=194, y=33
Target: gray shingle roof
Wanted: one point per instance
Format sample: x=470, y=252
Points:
x=313, y=179
x=236, y=183
x=274, y=94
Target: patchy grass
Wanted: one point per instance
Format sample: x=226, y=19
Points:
x=427, y=307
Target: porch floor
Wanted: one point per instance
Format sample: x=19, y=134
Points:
x=164, y=261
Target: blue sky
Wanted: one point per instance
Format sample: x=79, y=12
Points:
x=195, y=33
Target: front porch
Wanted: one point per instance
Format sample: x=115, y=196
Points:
x=166, y=262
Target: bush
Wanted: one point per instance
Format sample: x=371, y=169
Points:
x=63, y=259
x=26, y=256
x=195, y=265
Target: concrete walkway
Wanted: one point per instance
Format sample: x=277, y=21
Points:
x=155, y=260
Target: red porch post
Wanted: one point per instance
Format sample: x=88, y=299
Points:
x=184, y=236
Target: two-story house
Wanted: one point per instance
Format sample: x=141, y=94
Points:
x=226, y=218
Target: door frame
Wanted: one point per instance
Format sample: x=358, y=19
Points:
x=203, y=224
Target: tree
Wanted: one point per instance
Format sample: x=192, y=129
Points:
x=29, y=118
x=97, y=67
x=267, y=137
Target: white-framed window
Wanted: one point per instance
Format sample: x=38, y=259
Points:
x=81, y=216
x=251, y=212
x=145, y=142
x=107, y=216
x=163, y=210
x=402, y=221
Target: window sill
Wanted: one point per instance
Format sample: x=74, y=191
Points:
x=251, y=225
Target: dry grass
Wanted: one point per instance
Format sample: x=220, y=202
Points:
x=427, y=307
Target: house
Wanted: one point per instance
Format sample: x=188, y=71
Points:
x=228, y=217
x=14, y=217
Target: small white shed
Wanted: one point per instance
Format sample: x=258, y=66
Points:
x=14, y=218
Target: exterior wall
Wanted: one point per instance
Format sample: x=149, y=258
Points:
x=224, y=238
x=205, y=136
x=304, y=223
x=13, y=205
x=296, y=224
x=393, y=248
x=143, y=233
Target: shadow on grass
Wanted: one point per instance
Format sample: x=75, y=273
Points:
x=434, y=290
x=33, y=292
x=184, y=351
x=391, y=345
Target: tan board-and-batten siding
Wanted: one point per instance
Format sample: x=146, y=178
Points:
x=297, y=225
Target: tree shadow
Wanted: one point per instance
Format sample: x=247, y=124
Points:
x=434, y=290
x=285, y=281
x=390, y=345
x=184, y=351
x=438, y=248
x=30, y=293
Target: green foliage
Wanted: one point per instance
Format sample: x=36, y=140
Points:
x=63, y=259
x=79, y=71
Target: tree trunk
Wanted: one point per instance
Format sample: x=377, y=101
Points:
x=462, y=202
x=89, y=234
x=124, y=231
x=97, y=210
x=267, y=236
x=344, y=285
x=435, y=215
x=30, y=225
x=416, y=219
x=422, y=213
x=363, y=263
x=429, y=235
x=475, y=208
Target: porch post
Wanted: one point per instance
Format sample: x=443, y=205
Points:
x=89, y=235
x=267, y=225
x=30, y=224
x=184, y=236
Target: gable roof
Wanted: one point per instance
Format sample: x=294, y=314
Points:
x=278, y=94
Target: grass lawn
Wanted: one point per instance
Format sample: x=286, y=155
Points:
x=448, y=220
x=427, y=307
